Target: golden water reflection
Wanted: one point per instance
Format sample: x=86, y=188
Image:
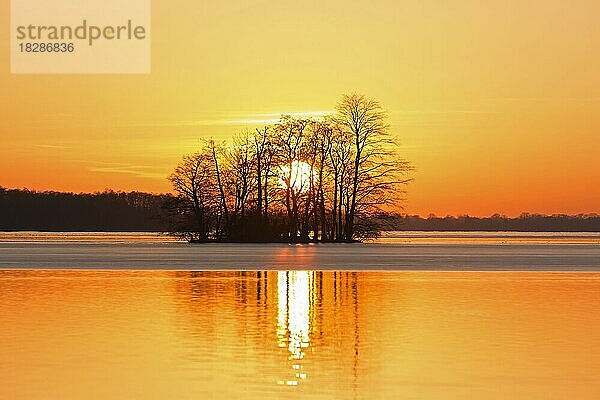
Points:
x=299, y=334
x=294, y=299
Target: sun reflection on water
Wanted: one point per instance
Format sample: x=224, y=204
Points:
x=294, y=318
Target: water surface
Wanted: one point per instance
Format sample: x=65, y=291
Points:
x=419, y=315
x=395, y=251
x=299, y=335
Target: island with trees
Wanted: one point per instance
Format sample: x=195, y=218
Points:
x=298, y=180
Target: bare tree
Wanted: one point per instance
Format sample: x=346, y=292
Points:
x=263, y=154
x=241, y=180
x=192, y=181
x=340, y=156
x=223, y=222
x=289, y=143
x=376, y=172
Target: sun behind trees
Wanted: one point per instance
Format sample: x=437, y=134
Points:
x=298, y=180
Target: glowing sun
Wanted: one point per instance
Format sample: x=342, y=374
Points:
x=299, y=177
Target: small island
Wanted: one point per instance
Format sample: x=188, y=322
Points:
x=299, y=180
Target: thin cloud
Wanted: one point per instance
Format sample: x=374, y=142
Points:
x=142, y=171
x=251, y=119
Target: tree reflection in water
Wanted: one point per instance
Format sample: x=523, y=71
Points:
x=298, y=321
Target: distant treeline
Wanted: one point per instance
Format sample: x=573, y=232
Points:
x=23, y=210
x=524, y=223
x=145, y=212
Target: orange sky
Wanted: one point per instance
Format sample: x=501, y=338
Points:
x=496, y=103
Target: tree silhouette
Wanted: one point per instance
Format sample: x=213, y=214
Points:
x=297, y=180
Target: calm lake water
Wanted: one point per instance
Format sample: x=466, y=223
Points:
x=396, y=251
x=528, y=332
